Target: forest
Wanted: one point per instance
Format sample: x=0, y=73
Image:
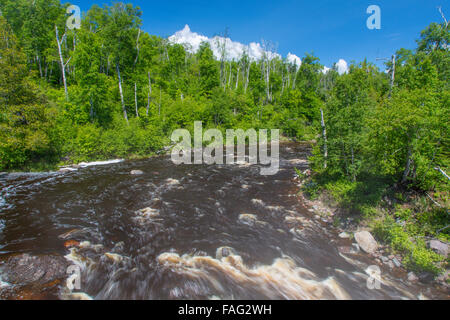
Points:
x=110, y=89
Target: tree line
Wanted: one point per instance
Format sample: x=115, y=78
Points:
x=110, y=89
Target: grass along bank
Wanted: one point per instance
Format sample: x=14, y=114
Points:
x=411, y=225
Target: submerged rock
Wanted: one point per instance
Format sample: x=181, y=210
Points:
x=249, y=219
x=114, y=257
x=366, y=241
x=224, y=252
x=258, y=202
x=149, y=212
x=89, y=245
x=25, y=269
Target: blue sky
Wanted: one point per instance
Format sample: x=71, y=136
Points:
x=332, y=30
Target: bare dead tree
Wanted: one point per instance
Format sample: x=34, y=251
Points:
x=61, y=61
x=137, y=47
x=443, y=16
x=124, y=109
x=246, y=63
x=221, y=44
x=230, y=75
x=269, y=51
x=136, y=100
x=149, y=92
x=407, y=170
x=160, y=98
x=391, y=71
x=294, y=82
x=237, y=76
x=324, y=135
x=442, y=172
x=91, y=112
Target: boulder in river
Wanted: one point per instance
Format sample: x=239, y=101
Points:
x=136, y=172
x=224, y=252
x=114, y=257
x=366, y=241
x=148, y=212
x=25, y=269
x=249, y=219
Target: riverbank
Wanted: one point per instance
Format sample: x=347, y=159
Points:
x=66, y=164
x=402, y=223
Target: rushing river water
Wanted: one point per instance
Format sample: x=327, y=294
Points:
x=206, y=232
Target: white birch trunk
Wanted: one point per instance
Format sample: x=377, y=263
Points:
x=149, y=93
x=325, y=146
x=121, y=93
x=136, y=100
x=61, y=61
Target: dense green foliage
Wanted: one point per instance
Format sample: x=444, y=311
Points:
x=417, y=256
x=387, y=140
x=127, y=90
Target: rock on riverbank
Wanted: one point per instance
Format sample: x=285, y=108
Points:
x=32, y=277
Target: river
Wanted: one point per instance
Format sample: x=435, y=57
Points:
x=206, y=232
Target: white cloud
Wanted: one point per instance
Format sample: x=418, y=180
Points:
x=234, y=50
x=292, y=58
x=325, y=69
x=185, y=36
x=342, y=66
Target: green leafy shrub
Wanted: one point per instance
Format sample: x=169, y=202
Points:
x=416, y=256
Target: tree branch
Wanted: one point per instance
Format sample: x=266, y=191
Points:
x=442, y=172
x=443, y=16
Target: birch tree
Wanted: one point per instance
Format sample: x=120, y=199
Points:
x=63, y=64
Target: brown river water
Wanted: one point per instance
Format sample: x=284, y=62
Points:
x=209, y=232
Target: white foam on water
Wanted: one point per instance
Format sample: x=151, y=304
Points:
x=68, y=169
x=281, y=279
x=79, y=296
x=248, y=219
x=75, y=258
x=3, y=284
x=100, y=163
x=258, y=202
x=172, y=182
x=146, y=216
